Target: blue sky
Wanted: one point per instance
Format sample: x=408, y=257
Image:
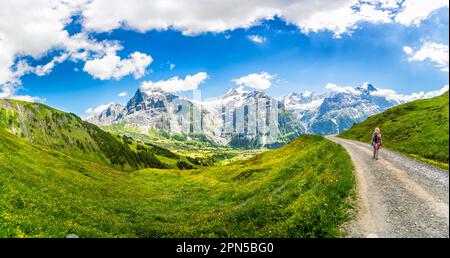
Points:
x=296, y=60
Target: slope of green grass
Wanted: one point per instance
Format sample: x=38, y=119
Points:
x=419, y=129
x=67, y=133
x=299, y=190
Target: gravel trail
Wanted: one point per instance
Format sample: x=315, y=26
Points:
x=397, y=196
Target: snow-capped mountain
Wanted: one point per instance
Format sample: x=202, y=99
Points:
x=243, y=118
x=336, y=111
x=112, y=113
x=156, y=109
x=303, y=100
x=239, y=117
x=253, y=115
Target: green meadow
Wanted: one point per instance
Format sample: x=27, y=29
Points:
x=299, y=190
x=419, y=129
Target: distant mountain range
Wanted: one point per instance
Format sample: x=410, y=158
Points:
x=336, y=111
x=418, y=129
x=247, y=118
x=239, y=118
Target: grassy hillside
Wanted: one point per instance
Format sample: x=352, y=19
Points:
x=299, y=190
x=419, y=129
x=69, y=134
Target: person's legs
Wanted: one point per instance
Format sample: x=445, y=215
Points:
x=374, y=151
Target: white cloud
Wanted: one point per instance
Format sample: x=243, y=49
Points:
x=28, y=98
x=175, y=84
x=29, y=28
x=97, y=110
x=408, y=50
x=342, y=89
x=83, y=47
x=415, y=11
x=257, y=39
x=401, y=98
x=189, y=16
x=111, y=66
x=434, y=52
x=34, y=28
x=122, y=94
x=260, y=81
x=9, y=88
x=389, y=3
x=388, y=93
x=42, y=70
x=342, y=19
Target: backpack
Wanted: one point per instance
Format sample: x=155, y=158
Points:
x=375, y=138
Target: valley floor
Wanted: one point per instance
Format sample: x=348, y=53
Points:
x=398, y=196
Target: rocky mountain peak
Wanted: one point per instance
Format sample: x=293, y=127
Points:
x=235, y=92
x=367, y=87
x=318, y=113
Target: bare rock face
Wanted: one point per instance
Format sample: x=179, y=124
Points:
x=113, y=113
x=160, y=110
x=239, y=113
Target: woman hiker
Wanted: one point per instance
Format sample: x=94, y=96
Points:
x=376, y=142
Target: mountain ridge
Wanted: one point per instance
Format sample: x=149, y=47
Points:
x=68, y=133
x=224, y=119
x=237, y=117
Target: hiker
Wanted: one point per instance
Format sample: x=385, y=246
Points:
x=376, y=142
